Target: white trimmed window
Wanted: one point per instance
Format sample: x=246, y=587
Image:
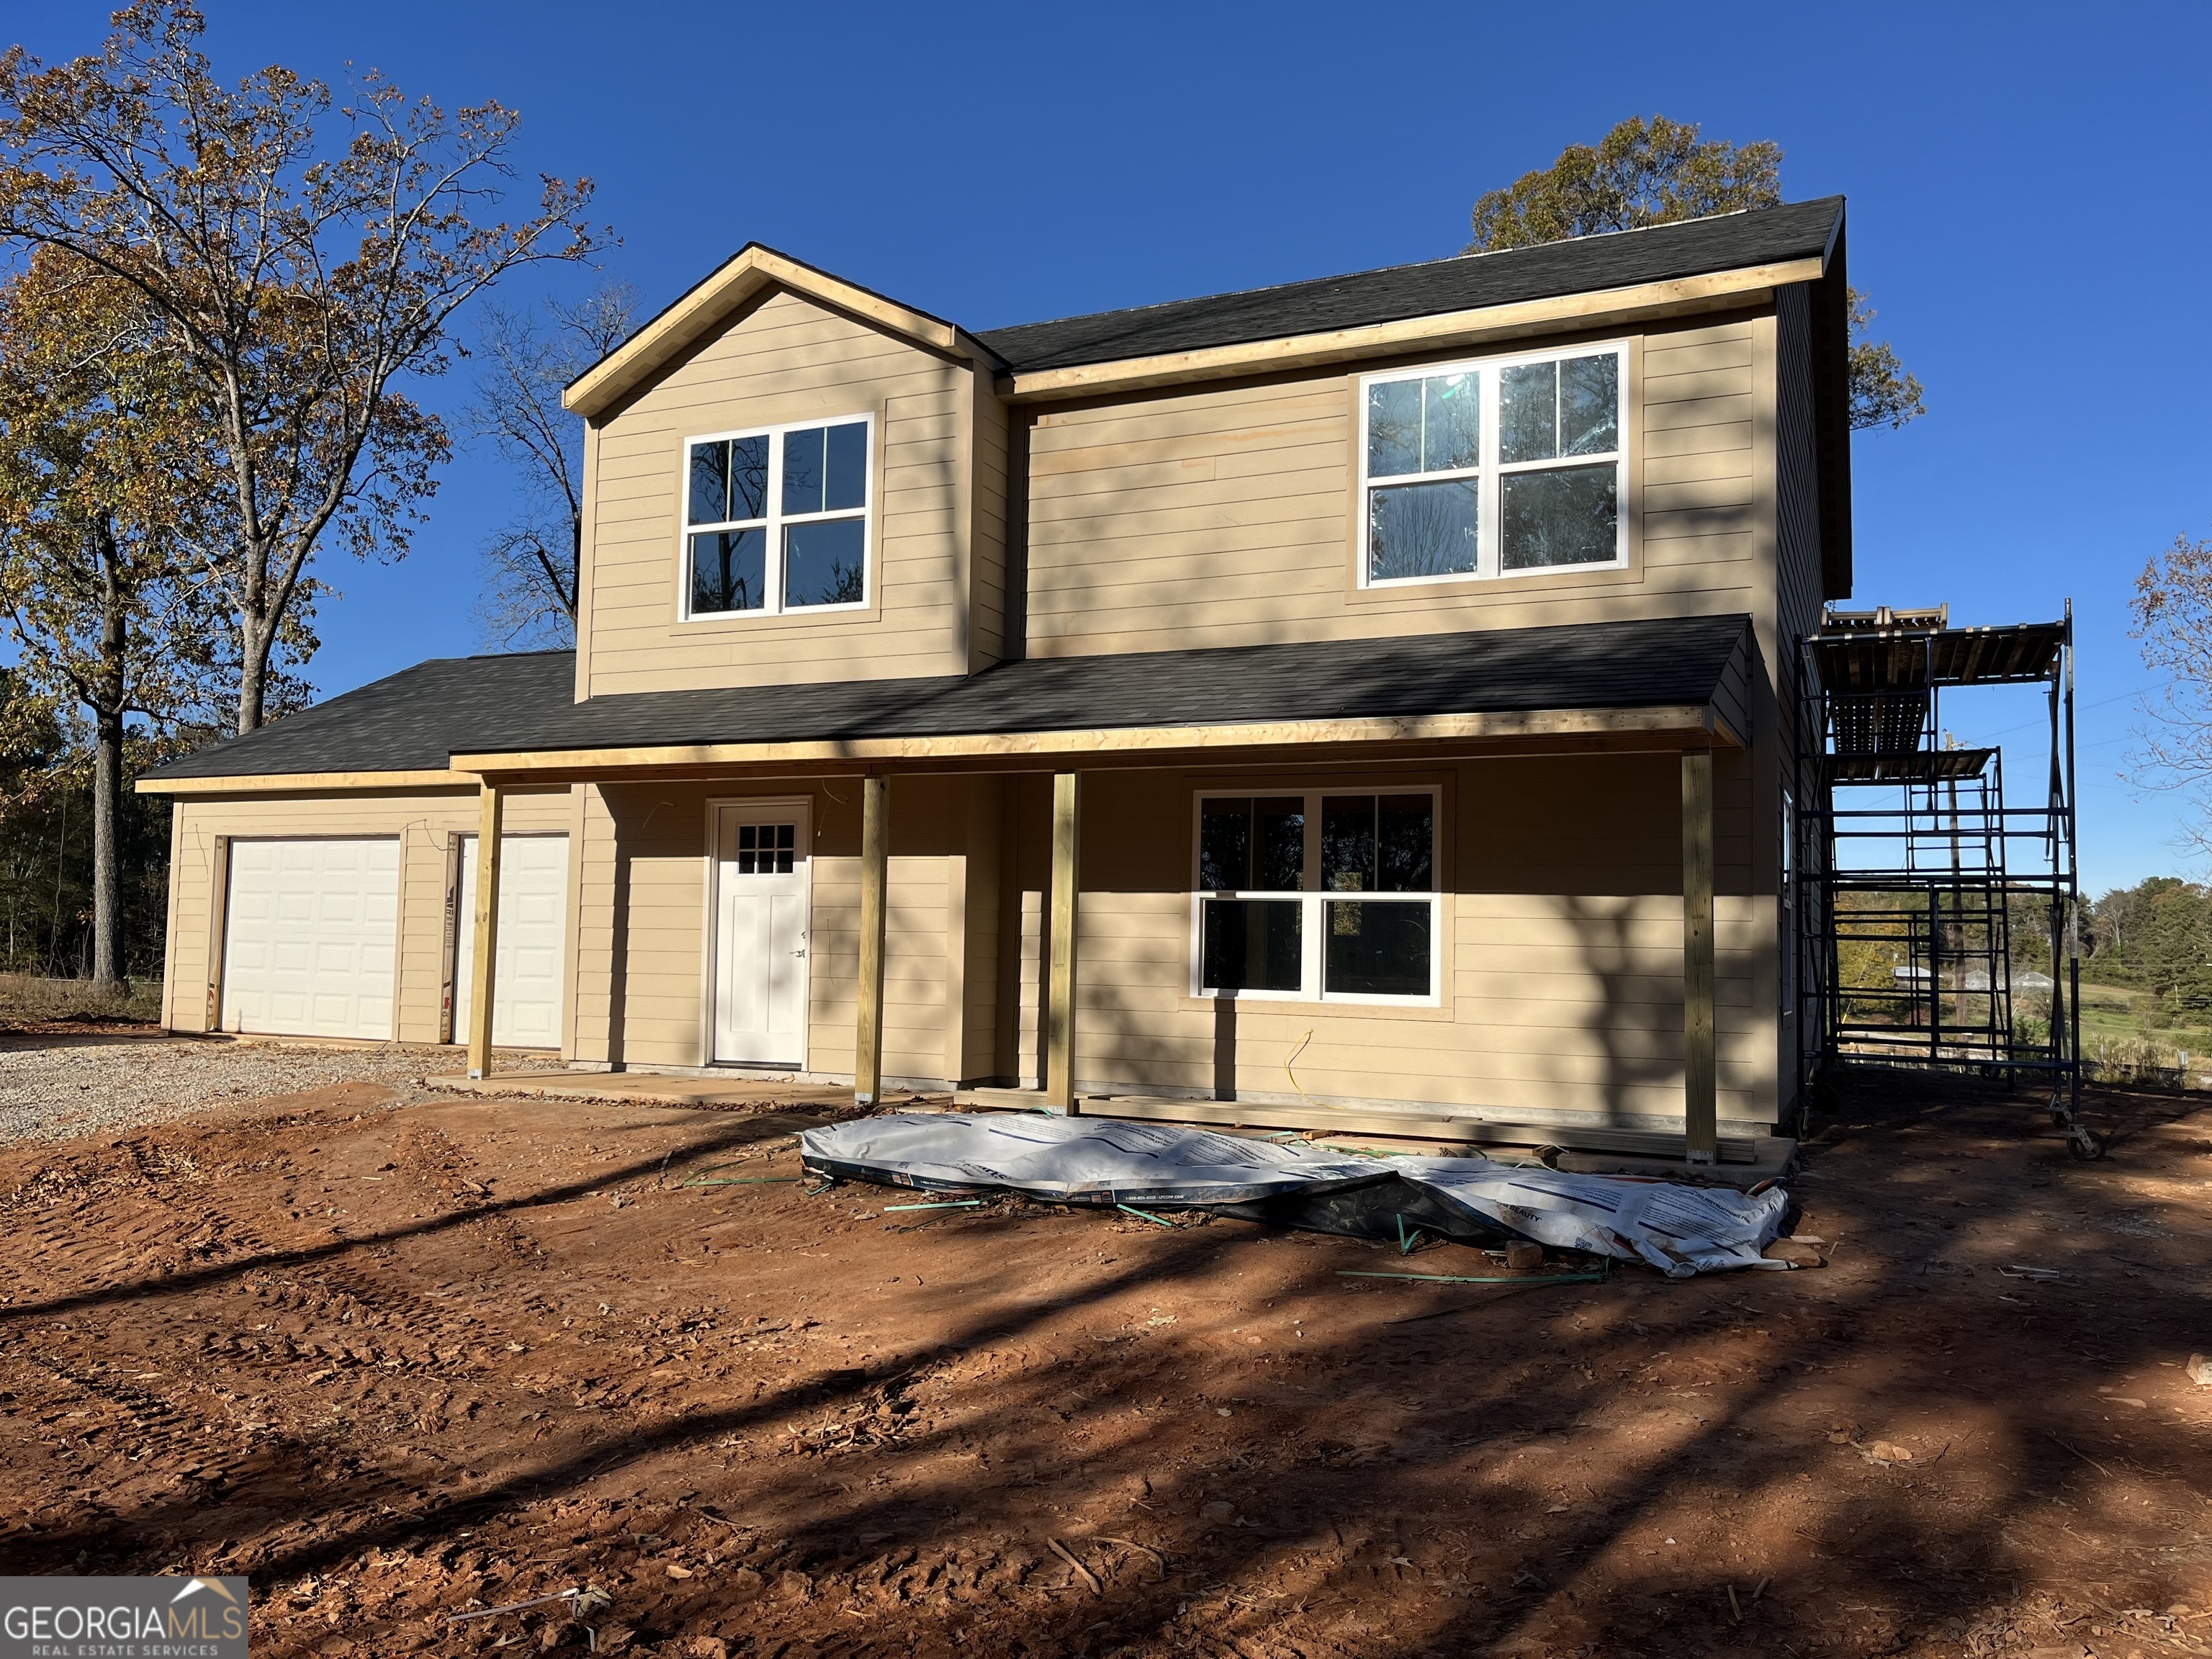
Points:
x=777, y=519
x=1494, y=469
x=1317, y=897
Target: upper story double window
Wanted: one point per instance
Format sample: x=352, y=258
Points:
x=1494, y=469
x=777, y=519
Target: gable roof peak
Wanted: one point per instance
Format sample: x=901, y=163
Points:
x=694, y=316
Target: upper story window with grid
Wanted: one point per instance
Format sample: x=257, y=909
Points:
x=1494, y=469
x=777, y=519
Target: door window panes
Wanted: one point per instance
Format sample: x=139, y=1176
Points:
x=766, y=849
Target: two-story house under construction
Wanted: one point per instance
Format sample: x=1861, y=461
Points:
x=1362, y=696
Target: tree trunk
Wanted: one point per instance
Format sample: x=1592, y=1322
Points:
x=254, y=639
x=107, y=869
x=107, y=771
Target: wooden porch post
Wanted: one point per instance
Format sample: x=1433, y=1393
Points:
x=1700, y=1074
x=1059, y=1009
x=218, y=931
x=875, y=883
x=483, y=976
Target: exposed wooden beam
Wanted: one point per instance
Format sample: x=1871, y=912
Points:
x=450, y=944
x=1700, y=1064
x=1605, y=309
x=482, y=977
x=218, y=932
x=1341, y=1120
x=288, y=783
x=1667, y=728
x=875, y=895
x=1060, y=1008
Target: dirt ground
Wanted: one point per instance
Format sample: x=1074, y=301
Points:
x=396, y=1362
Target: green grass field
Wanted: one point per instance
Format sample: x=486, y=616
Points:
x=2119, y=1029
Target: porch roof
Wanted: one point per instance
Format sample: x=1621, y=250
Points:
x=1660, y=682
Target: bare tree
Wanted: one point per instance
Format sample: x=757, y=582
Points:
x=2172, y=612
x=532, y=563
x=299, y=279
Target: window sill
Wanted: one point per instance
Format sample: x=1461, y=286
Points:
x=1431, y=588
x=737, y=621
x=1306, y=1007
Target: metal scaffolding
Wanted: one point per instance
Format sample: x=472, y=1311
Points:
x=1917, y=886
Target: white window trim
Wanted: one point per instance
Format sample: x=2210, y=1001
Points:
x=775, y=522
x=1313, y=898
x=1489, y=470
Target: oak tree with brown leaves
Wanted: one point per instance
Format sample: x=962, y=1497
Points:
x=304, y=258
x=106, y=469
x=1656, y=172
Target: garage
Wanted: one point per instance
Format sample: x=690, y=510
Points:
x=310, y=943
x=531, y=972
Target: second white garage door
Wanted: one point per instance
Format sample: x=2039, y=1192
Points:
x=310, y=943
x=533, y=939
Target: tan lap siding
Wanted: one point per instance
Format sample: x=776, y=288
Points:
x=1563, y=964
x=1227, y=515
x=423, y=825
x=642, y=968
x=790, y=360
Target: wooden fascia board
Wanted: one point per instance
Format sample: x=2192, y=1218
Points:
x=685, y=325
x=295, y=783
x=1602, y=309
x=1696, y=724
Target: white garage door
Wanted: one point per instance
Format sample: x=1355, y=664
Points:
x=533, y=935
x=310, y=945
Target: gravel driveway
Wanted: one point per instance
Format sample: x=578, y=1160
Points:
x=57, y=1088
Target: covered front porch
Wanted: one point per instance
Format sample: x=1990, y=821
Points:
x=1031, y=915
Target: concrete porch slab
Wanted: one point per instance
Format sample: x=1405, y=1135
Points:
x=655, y=1088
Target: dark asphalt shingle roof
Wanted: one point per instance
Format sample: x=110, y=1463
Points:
x=1582, y=266
x=416, y=720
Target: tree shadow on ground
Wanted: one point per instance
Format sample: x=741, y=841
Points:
x=1244, y=1452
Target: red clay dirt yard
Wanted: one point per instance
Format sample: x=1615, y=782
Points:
x=399, y=1357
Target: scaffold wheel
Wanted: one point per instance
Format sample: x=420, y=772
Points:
x=2084, y=1143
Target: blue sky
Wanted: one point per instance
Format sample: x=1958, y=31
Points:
x=2028, y=192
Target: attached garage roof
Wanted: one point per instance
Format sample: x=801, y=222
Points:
x=416, y=720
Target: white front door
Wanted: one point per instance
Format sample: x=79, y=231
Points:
x=760, y=893
x=533, y=941
x=310, y=944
